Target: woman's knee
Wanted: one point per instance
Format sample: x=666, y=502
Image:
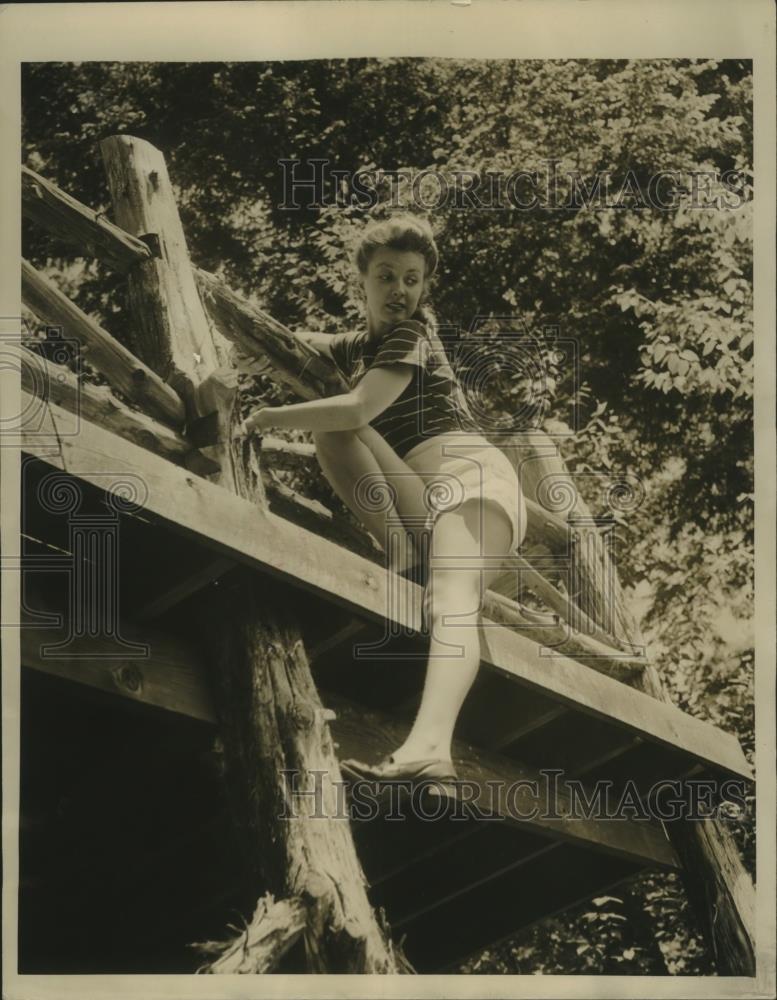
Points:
x=490, y=524
x=331, y=439
x=454, y=591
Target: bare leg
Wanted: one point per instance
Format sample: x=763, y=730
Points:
x=456, y=597
x=408, y=486
x=347, y=462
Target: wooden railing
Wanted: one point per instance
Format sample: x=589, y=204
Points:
x=161, y=411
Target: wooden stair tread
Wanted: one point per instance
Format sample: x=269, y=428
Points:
x=516, y=670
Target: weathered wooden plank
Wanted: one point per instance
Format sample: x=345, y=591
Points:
x=71, y=221
x=577, y=620
x=269, y=709
x=528, y=726
x=316, y=517
x=171, y=329
x=98, y=404
x=183, y=588
x=120, y=367
x=345, y=635
x=231, y=526
x=173, y=677
x=503, y=789
x=282, y=454
x=392, y=850
x=255, y=333
x=169, y=677
x=457, y=868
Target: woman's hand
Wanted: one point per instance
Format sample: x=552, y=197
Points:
x=259, y=420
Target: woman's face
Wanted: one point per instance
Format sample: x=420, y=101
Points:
x=393, y=285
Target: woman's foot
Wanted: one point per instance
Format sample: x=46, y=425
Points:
x=409, y=752
x=414, y=771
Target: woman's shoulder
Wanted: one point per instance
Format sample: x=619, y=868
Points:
x=411, y=329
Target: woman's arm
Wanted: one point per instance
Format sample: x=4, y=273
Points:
x=335, y=413
x=318, y=341
x=376, y=390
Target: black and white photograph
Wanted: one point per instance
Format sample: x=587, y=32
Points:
x=388, y=481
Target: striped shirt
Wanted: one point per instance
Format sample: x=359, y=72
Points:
x=432, y=403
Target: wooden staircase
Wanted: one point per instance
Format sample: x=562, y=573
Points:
x=564, y=687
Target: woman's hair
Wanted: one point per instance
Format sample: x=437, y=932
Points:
x=403, y=232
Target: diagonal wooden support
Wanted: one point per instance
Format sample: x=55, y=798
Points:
x=127, y=373
x=98, y=405
x=73, y=222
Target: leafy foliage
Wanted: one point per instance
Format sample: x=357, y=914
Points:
x=656, y=303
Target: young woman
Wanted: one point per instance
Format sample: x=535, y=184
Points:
x=405, y=425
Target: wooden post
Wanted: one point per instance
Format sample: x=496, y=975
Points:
x=273, y=726
x=718, y=886
x=172, y=332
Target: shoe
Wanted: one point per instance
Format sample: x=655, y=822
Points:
x=413, y=771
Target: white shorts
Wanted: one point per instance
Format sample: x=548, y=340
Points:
x=462, y=466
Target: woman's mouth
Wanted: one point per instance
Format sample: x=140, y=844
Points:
x=395, y=306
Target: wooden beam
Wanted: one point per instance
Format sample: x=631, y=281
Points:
x=171, y=330
x=183, y=588
x=577, y=619
x=314, y=515
x=542, y=526
x=520, y=862
x=120, y=367
x=98, y=404
x=507, y=738
x=71, y=221
x=589, y=762
x=255, y=333
x=518, y=897
x=169, y=676
x=282, y=454
x=557, y=638
x=173, y=677
x=366, y=734
x=239, y=321
x=231, y=526
x=354, y=629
